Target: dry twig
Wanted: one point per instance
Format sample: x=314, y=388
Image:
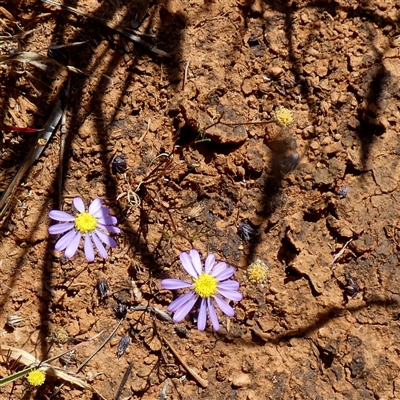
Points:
x=202, y=382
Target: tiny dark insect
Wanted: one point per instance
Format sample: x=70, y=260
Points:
x=245, y=231
x=120, y=311
x=102, y=288
x=123, y=345
x=119, y=164
x=352, y=287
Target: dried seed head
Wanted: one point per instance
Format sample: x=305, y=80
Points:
x=13, y=321
x=257, y=272
x=283, y=116
x=119, y=164
x=102, y=288
x=120, y=311
x=59, y=336
x=123, y=345
x=352, y=287
x=196, y=210
x=245, y=231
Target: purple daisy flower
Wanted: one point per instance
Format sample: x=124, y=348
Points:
x=93, y=225
x=209, y=286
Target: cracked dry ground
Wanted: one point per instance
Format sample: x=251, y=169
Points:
x=301, y=335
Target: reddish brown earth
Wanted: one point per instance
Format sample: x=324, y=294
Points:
x=301, y=334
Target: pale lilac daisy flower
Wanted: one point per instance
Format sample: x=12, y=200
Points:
x=209, y=286
x=93, y=225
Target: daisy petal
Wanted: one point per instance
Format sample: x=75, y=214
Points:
x=173, y=284
x=108, y=240
x=218, y=268
x=210, y=261
x=73, y=245
x=88, y=248
x=202, y=317
x=188, y=265
x=224, y=306
x=102, y=212
x=184, y=310
x=231, y=294
x=181, y=300
x=107, y=220
x=99, y=246
x=79, y=204
x=225, y=274
x=61, y=216
x=195, y=256
x=95, y=206
x=60, y=228
x=65, y=240
x=228, y=285
x=213, y=314
x=109, y=228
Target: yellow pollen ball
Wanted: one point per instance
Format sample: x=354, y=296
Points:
x=85, y=222
x=257, y=272
x=36, y=377
x=284, y=116
x=205, y=286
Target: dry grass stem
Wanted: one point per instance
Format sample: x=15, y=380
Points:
x=202, y=382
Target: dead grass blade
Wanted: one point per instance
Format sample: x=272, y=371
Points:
x=28, y=359
x=18, y=36
x=31, y=361
x=37, y=60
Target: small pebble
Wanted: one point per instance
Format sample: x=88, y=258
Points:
x=241, y=380
x=276, y=72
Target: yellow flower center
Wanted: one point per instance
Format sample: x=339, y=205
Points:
x=36, y=377
x=85, y=222
x=205, y=286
